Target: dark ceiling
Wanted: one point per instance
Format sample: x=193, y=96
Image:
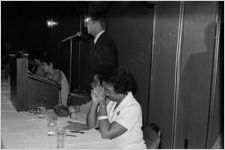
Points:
x=11, y=9
x=23, y=23
x=14, y=9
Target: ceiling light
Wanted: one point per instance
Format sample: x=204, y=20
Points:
x=51, y=23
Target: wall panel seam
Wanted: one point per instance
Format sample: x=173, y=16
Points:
x=177, y=73
x=213, y=84
x=151, y=63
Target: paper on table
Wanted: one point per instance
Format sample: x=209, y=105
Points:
x=76, y=126
x=90, y=140
x=94, y=145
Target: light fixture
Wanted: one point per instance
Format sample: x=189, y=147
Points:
x=87, y=19
x=51, y=23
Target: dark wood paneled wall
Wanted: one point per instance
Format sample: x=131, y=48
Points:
x=218, y=114
x=196, y=73
x=218, y=110
x=161, y=105
x=183, y=73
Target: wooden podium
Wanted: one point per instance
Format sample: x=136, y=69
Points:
x=41, y=92
x=28, y=90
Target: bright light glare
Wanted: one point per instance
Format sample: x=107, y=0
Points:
x=87, y=19
x=51, y=23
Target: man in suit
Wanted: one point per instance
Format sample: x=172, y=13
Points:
x=103, y=56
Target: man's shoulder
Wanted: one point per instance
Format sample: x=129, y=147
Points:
x=105, y=37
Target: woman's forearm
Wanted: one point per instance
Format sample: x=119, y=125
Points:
x=109, y=130
x=92, y=115
x=103, y=124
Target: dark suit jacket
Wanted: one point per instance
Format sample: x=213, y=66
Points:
x=103, y=56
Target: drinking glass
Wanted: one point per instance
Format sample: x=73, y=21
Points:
x=52, y=124
x=60, y=137
x=41, y=112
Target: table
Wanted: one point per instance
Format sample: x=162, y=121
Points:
x=26, y=130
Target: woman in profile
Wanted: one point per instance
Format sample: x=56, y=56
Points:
x=120, y=119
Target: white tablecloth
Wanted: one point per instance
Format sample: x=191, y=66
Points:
x=25, y=130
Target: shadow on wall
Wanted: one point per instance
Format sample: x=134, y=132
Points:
x=197, y=67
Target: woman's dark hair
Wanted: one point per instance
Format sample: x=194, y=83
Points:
x=121, y=80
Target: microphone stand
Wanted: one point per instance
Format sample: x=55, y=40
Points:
x=71, y=52
x=79, y=47
x=70, y=38
x=71, y=49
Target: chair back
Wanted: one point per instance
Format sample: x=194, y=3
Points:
x=152, y=136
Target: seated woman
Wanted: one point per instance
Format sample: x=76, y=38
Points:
x=59, y=77
x=120, y=119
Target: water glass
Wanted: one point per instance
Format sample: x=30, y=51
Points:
x=52, y=124
x=41, y=112
x=60, y=137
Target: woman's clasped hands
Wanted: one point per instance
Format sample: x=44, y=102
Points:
x=98, y=94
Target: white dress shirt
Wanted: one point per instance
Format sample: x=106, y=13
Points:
x=98, y=35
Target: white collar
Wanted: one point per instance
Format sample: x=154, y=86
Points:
x=126, y=100
x=98, y=35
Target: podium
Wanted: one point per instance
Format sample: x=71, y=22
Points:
x=28, y=90
x=41, y=92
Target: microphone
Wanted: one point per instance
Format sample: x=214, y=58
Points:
x=78, y=34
